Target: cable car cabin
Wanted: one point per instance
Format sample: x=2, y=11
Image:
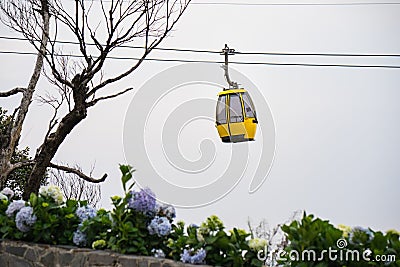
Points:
x=236, y=119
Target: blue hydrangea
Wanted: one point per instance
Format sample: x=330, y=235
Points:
x=189, y=256
x=79, y=238
x=159, y=226
x=143, y=201
x=166, y=210
x=25, y=219
x=85, y=212
x=14, y=207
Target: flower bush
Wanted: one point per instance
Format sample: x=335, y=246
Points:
x=211, y=244
x=317, y=235
x=138, y=224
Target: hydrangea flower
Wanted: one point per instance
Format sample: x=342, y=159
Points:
x=189, y=256
x=143, y=201
x=257, y=244
x=25, y=219
x=166, y=210
x=79, y=238
x=345, y=229
x=85, y=212
x=14, y=207
x=99, y=244
x=8, y=192
x=393, y=232
x=159, y=226
x=212, y=224
x=360, y=235
x=200, y=237
x=52, y=192
x=158, y=253
x=3, y=197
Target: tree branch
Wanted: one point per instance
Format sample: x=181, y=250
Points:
x=14, y=91
x=77, y=172
x=94, y=101
x=20, y=165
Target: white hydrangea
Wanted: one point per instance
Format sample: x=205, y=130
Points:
x=257, y=244
x=8, y=192
x=52, y=191
x=200, y=237
x=345, y=229
x=3, y=197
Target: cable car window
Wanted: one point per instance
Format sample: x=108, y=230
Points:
x=248, y=106
x=221, y=110
x=235, y=108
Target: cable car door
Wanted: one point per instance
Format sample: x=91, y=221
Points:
x=236, y=118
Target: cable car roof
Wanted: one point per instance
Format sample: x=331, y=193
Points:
x=231, y=91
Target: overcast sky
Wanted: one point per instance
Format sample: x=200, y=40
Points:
x=337, y=129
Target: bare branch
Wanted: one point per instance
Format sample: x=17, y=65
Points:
x=94, y=101
x=78, y=172
x=73, y=187
x=79, y=80
x=14, y=91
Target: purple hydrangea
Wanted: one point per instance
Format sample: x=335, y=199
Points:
x=143, y=201
x=166, y=210
x=159, y=226
x=189, y=256
x=79, y=238
x=14, y=207
x=25, y=219
x=86, y=212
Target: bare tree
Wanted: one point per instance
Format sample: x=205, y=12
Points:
x=99, y=27
x=31, y=18
x=73, y=187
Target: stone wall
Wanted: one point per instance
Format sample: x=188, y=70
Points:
x=22, y=254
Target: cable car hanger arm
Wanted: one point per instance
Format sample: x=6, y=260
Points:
x=226, y=51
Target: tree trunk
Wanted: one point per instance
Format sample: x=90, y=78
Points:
x=50, y=146
x=5, y=167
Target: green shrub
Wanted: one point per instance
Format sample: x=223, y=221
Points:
x=350, y=247
x=139, y=225
x=222, y=248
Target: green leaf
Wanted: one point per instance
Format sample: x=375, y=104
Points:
x=33, y=199
x=126, y=171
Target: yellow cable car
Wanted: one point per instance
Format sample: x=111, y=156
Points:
x=236, y=119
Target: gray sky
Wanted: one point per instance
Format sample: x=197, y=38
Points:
x=337, y=129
